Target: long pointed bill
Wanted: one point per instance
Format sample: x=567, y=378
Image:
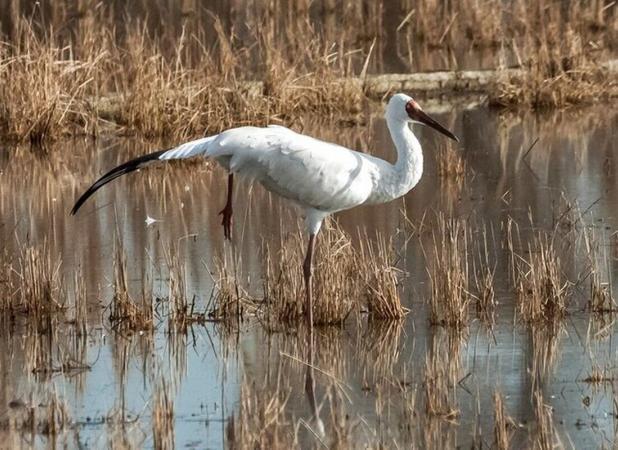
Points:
x=416, y=113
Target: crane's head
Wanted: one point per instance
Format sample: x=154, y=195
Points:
x=402, y=107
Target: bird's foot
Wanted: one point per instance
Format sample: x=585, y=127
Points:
x=227, y=221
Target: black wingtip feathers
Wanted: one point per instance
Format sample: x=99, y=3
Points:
x=122, y=169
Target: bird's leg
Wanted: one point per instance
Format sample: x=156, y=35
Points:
x=226, y=212
x=307, y=270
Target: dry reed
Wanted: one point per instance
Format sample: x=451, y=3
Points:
x=342, y=276
x=542, y=290
x=601, y=300
x=335, y=286
x=229, y=299
x=544, y=436
x=451, y=165
x=376, y=265
x=125, y=313
x=182, y=312
x=449, y=274
x=32, y=287
x=503, y=424
x=78, y=74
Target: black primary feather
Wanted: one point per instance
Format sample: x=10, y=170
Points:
x=128, y=167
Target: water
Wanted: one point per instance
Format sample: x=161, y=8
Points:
x=366, y=372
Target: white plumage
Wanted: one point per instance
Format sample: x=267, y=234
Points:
x=320, y=177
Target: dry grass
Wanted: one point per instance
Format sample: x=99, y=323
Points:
x=178, y=87
x=43, y=87
x=32, y=285
x=77, y=75
x=485, y=297
x=375, y=259
x=342, y=275
x=542, y=290
x=503, y=424
x=125, y=313
x=182, y=311
x=562, y=56
x=544, y=436
x=229, y=299
x=601, y=300
x=449, y=273
x=335, y=283
x=80, y=303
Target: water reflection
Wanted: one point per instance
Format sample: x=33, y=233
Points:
x=366, y=382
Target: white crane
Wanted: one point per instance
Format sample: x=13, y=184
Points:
x=320, y=177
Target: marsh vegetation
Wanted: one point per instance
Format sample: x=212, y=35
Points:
x=477, y=311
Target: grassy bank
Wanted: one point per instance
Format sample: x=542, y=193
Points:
x=68, y=74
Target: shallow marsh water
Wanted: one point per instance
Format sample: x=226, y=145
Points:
x=371, y=376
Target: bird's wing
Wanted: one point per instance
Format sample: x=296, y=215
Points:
x=183, y=151
x=309, y=171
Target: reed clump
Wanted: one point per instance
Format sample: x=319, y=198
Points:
x=343, y=277
x=542, y=290
x=601, y=299
x=44, y=87
x=127, y=315
x=182, y=311
x=562, y=57
x=229, y=299
x=449, y=274
x=335, y=279
x=32, y=285
x=503, y=424
x=451, y=165
x=375, y=260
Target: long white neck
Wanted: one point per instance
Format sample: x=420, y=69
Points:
x=396, y=180
x=409, y=165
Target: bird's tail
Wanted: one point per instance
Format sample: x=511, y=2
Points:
x=188, y=150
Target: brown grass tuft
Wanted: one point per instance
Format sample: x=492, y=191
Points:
x=448, y=272
x=335, y=283
x=503, y=424
x=375, y=259
x=544, y=435
x=229, y=299
x=542, y=290
x=32, y=285
x=126, y=314
x=342, y=275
